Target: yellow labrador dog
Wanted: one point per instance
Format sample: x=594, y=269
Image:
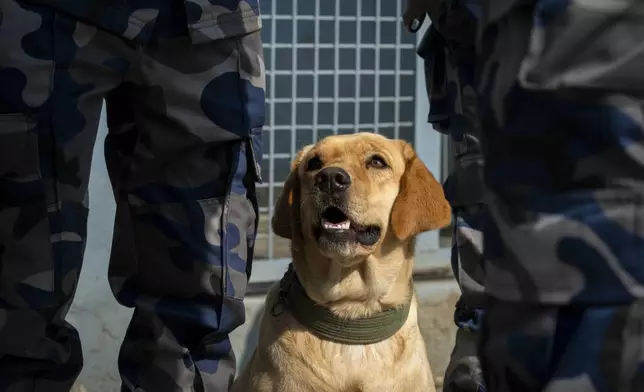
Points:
x=343, y=319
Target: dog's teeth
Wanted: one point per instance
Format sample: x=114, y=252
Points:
x=336, y=226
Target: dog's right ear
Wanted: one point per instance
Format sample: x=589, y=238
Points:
x=285, y=215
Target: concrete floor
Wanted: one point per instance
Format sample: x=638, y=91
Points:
x=102, y=322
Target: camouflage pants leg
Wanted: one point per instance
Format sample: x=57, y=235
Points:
x=50, y=104
x=465, y=191
x=186, y=208
x=562, y=113
x=563, y=349
x=183, y=157
x=464, y=372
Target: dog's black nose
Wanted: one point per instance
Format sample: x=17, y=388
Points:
x=332, y=180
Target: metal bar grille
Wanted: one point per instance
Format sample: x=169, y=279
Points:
x=333, y=67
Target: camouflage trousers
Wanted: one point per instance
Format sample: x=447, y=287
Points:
x=183, y=152
x=464, y=372
x=464, y=189
x=562, y=112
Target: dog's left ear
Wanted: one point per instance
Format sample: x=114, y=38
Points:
x=285, y=215
x=421, y=205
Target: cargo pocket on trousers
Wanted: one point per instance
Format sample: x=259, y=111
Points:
x=240, y=235
x=240, y=221
x=26, y=256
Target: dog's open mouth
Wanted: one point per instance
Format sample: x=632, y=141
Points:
x=333, y=219
x=336, y=223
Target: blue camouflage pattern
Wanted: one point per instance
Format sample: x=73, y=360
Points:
x=185, y=109
x=144, y=20
x=562, y=116
x=448, y=50
x=561, y=120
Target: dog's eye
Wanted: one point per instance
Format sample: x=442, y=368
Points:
x=377, y=162
x=314, y=163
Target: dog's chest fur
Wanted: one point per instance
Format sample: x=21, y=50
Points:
x=303, y=362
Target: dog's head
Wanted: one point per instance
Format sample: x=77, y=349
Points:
x=348, y=193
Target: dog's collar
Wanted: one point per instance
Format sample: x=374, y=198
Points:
x=328, y=326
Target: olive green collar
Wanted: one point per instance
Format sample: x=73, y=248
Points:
x=328, y=326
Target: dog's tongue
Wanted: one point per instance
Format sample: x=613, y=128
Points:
x=335, y=226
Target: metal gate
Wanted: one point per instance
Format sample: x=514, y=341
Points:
x=338, y=67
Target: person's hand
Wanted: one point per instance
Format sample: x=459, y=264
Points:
x=416, y=11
